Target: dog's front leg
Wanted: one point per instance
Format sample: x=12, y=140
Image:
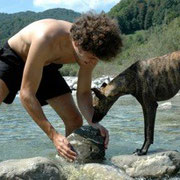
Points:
x=149, y=110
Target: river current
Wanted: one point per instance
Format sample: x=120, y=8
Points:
x=20, y=137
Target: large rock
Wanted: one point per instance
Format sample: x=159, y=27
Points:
x=155, y=165
x=38, y=168
x=88, y=143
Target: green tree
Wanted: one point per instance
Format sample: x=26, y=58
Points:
x=136, y=15
x=12, y=23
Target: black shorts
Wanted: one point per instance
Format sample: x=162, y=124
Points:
x=11, y=69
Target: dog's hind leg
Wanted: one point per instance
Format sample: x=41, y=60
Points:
x=149, y=110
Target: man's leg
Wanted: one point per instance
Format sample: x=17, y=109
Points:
x=4, y=91
x=65, y=107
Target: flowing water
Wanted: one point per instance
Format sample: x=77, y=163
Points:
x=20, y=137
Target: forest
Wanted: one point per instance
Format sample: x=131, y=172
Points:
x=133, y=15
x=12, y=23
x=149, y=28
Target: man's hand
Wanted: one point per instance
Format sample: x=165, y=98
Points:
x=63, y=147
x=104, y=132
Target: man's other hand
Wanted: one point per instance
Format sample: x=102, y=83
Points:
x=104, y=132
x=63, y=147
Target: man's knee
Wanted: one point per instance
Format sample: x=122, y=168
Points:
x=77, y=121
x=74, y=123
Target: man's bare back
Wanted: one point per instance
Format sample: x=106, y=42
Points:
x=56, y=32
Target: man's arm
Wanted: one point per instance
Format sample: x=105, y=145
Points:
x=84, y=99
x=84, y=96
x=32, y=75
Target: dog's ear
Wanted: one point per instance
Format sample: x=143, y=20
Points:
x=98, y=93
x=104, y=85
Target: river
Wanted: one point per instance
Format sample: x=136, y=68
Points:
x=20, y=137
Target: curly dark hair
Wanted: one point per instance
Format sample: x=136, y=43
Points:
x=98, y=34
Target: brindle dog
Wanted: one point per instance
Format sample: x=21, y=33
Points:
x=149, y=81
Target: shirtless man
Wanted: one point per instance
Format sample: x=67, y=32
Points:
x=30, y=60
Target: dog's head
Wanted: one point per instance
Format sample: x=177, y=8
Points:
x=99, y=103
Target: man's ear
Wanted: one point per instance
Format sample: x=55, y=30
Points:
x=76, y=43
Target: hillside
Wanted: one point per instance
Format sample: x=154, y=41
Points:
x=142, y=40
x=144, y=44
x=12, y=23
x=133, y=15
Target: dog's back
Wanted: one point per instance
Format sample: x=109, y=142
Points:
x=159, y=76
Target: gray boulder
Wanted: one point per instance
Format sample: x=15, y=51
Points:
x=88, y=143
x=38, y=168
x=155, y=165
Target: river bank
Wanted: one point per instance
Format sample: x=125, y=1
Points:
x=162, y=165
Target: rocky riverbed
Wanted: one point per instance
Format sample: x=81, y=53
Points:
x=72, y=82
x=89, y=165
x=162, y=165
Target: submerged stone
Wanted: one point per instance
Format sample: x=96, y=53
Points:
x=95, y=171
x=88, y=143
x=155, y=165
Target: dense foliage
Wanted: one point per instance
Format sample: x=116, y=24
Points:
x=12, y=23
x=133, y=15
x=144, y=44
x=150, y=28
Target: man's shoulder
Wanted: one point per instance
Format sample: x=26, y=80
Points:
x=55, y=28
x=49, y=29
x=55, y=24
